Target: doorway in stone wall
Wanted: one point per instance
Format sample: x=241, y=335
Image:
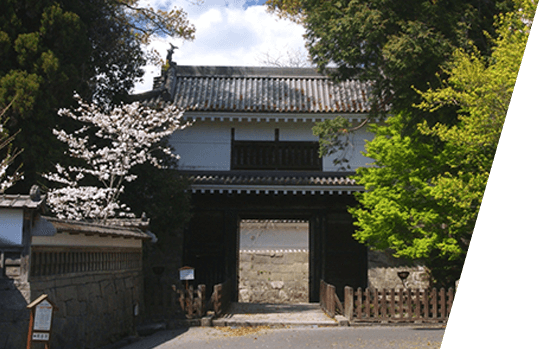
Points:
x=273, y=261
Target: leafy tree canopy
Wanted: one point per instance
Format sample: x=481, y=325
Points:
x=394, y=45
x=422, y=198
x=50, y=48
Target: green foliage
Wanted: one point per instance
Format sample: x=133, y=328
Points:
x=423, y=195
x=51, y=48
x=395, y=46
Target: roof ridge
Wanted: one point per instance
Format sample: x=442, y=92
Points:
x=245, y=71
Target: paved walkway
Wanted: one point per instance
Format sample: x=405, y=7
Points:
x=248, y=314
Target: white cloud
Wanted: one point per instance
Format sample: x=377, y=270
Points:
x=227, y=34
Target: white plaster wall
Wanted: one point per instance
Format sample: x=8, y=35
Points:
x=353, y=154
x=206, y=145
x=11, y=226
x=81, y=240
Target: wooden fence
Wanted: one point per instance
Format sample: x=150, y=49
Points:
x=192, y=304
x=172, y=301
x=402, y=305
x=221, y=297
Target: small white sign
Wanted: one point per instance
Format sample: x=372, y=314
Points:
x=187, y=274
x=40, y=336
x=43, y=317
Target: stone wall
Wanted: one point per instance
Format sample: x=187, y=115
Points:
x=383, y=269
x=94, y=309
x=274, y=276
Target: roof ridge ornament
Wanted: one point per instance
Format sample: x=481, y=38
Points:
x=170, y=52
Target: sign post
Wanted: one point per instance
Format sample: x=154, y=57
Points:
x=187, y=273
x=39, y=329
x=187, y=297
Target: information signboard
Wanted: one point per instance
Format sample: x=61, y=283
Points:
x=43, y=317
x=39, y=329
x=187, y=273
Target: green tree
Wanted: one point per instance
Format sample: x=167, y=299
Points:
x=394, y=45
x=422, y=198
x=51, y=48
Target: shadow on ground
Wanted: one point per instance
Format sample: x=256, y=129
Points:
x=157, y=339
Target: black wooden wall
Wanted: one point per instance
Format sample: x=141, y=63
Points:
x=211, y=241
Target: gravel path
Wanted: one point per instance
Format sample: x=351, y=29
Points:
x=294, y=337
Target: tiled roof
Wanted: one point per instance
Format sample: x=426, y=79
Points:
x=19, y=201
x=272, y=181
x=77, y=227
x=258, y=89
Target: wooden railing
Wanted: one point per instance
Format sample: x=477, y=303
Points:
x=275, y=155
x=192, y=304
x=329, y=301
x=173, y=302
x=402, y=305
x=221, y=297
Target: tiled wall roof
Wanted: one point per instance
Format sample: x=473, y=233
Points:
x=252, y=89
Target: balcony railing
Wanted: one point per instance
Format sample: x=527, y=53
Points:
x=275, y=155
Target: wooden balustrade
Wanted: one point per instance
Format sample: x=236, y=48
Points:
x=275, y=155
x=66, y=261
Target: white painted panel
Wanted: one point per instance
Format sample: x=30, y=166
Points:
x=255, y=131
x=353, y=153
x=11, y=221
x=205, y=146
x=297, y=132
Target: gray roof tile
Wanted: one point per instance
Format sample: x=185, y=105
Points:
x=260, y=89
x=19, y=201
x=78, y=227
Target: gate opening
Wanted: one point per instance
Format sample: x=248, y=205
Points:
x=273, y=261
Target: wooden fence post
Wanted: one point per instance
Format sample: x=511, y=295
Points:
x=359, y=304
x=443, y=304
x=216, y=298
x=201, y=300
x=323, y=295
x=348, y=303
x=331, y=300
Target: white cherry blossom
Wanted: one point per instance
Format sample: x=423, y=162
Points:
x=129, y=133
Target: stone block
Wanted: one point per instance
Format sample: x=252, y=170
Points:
x=206, y=321
x=342, y=321
x=119, y=285
x=72, y=307
x=63, y=294
x=129, y=282
x=106, y=288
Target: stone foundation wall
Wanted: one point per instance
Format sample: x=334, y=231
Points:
x=94, y=309
x=274, y=276
x=383, y=269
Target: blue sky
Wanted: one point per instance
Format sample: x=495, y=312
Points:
x=233, y=32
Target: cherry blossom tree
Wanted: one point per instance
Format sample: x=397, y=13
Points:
x=126, y=136
x=8, y=154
